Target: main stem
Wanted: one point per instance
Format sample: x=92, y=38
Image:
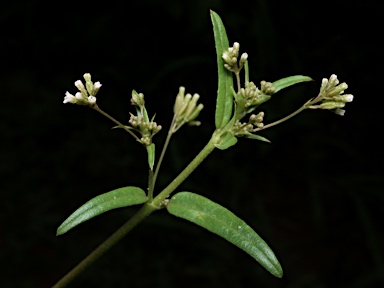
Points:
x=140, y=215
x=184, y=174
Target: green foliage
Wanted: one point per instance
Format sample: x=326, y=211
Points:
x=229, y=126
x=151, y=155
x=226, y=140
x=224, y=101
x=122, y=197
x=221, y=221
x=289, y=81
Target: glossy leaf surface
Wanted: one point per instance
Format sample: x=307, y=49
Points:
x=224, y=223
x=118, y=198
x=289, y=81
x=224, y=101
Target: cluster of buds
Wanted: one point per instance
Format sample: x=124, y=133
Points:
x=331, y=96
x=245, y=129
x=248, y=130
x=253, y=96
x=230, y=58
x=257, y=120
x=186, y=109
x=141, y=123
x=87, y=93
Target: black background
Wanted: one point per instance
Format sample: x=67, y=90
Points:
x=314, y=194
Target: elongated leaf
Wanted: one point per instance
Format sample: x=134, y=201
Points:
x=151, y=155
x=224, y=101
x=256, y=137
x=224, y=223
x=118, y=198
x=289, y=81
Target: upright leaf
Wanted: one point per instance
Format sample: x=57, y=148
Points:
x=151, y=155
x=289, y=81
x=118, y=198
x=224, y=101
x=224, y=223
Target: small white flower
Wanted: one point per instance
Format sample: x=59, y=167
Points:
x=340, y=112
x=226, y=57
x=243, y=57
x=69, y=98
x=91, y=99
x=333, y=79
x=348, y=97
x=79, y=85
x=79, y=96
x=97, y=85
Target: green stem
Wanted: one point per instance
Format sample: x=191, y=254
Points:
x=184, y=174
x=140, y=215
x=151, y=185
x=145, y=211
x=170, y=133
x=282, y=120
x=238, y=80
x=116, y=121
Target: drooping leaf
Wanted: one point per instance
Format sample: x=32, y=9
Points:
x=224, y=223
x=289, y=81
x=151, y=155
x=224, y=101
x=118, y=198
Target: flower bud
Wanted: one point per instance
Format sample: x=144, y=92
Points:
x=96, y=88
x=339, y=111
x=69, y=98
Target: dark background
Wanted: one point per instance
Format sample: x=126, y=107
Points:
x=314, y=194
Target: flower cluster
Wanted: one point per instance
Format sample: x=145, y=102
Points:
x=230, y=58
x=244, y=129
x=141, y=123
x=87, y=93
x=331, y=96
x=252, y=96
x=186, y=109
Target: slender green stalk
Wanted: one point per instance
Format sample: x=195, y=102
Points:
x=116, y=121
x=246, y=71
x=140, y=215
x=167, y=140
x=282, y=119
x=238, y=81
x=151, y=185
x=184, y=174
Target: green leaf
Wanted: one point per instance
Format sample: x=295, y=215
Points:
x=226, y=140
x=224, y=223
x=256, y=137
x=151, y=155
x=289, y=81
x=224, y=101
x=118, y=198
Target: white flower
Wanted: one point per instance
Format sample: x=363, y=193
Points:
x=79, y=85
x=339, y=111
x=91, y=99
x=348, y=97
x=69, y=98
x=97, y=85
x=79, y=96
x=244, y=57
